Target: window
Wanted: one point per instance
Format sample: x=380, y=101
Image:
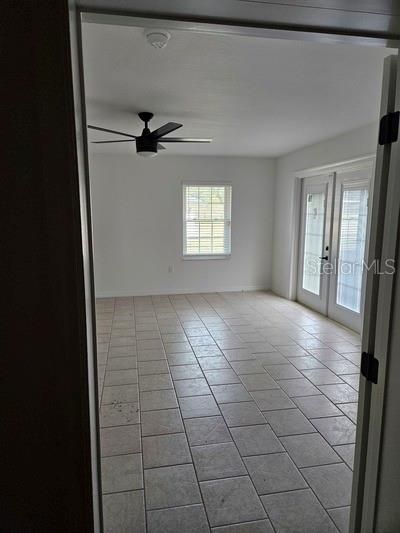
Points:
x=313, y=241
x=207, y=220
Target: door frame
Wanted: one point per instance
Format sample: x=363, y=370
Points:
x=357, y=163
x=361, y=164
x=209, y=17
x=380, y=303
x=82, y=152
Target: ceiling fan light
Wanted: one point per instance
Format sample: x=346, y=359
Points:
x=146, y=153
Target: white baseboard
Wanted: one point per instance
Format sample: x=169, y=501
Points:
x=282, y=294
x=152, y=292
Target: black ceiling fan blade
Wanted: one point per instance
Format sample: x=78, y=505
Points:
x=164, y=130
x=112, y=131
x=186, y=139
x=119, y=141
x=160, y=147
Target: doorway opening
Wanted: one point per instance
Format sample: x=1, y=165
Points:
x=214, y=389
x=334, y=229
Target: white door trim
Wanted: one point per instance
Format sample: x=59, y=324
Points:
x=357, y=163
x=383, y=323
x=370, y=412
x=360, y=164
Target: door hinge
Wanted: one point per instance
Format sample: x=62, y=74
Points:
x=369, y=367
x=389, y=128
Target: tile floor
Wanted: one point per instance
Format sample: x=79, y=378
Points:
x=228, y=412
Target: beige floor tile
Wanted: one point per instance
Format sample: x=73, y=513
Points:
x=281, y=368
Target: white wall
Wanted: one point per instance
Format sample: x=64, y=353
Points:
x=137, y=224
x=356, y=143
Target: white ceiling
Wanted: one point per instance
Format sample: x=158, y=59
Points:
x=253, y=96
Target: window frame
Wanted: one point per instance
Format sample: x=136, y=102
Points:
x=203, y=183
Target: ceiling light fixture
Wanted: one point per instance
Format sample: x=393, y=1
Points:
x=148, y=143
x=157, y=38
x=144, y=153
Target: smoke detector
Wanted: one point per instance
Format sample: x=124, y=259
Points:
x=157, y=38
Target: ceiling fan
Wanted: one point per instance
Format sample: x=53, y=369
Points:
x=147, y=144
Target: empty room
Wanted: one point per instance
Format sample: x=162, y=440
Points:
x=231, y=181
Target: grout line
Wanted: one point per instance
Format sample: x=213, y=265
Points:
x=141, y=442
x=122, y=455
x=121, y=491
x=140, y=430
x=340, y=507
x=169, y=465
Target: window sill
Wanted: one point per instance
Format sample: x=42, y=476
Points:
x=205, y=257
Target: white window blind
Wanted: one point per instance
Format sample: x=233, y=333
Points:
x=206, y=219
x=353, y=230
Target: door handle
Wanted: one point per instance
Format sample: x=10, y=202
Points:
x=325, y=257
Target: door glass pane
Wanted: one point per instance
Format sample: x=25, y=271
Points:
x=313, y=241
x=353, y=227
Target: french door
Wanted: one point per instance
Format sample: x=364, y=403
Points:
x=334, y=229
x=348, y=249
x=316, y=209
